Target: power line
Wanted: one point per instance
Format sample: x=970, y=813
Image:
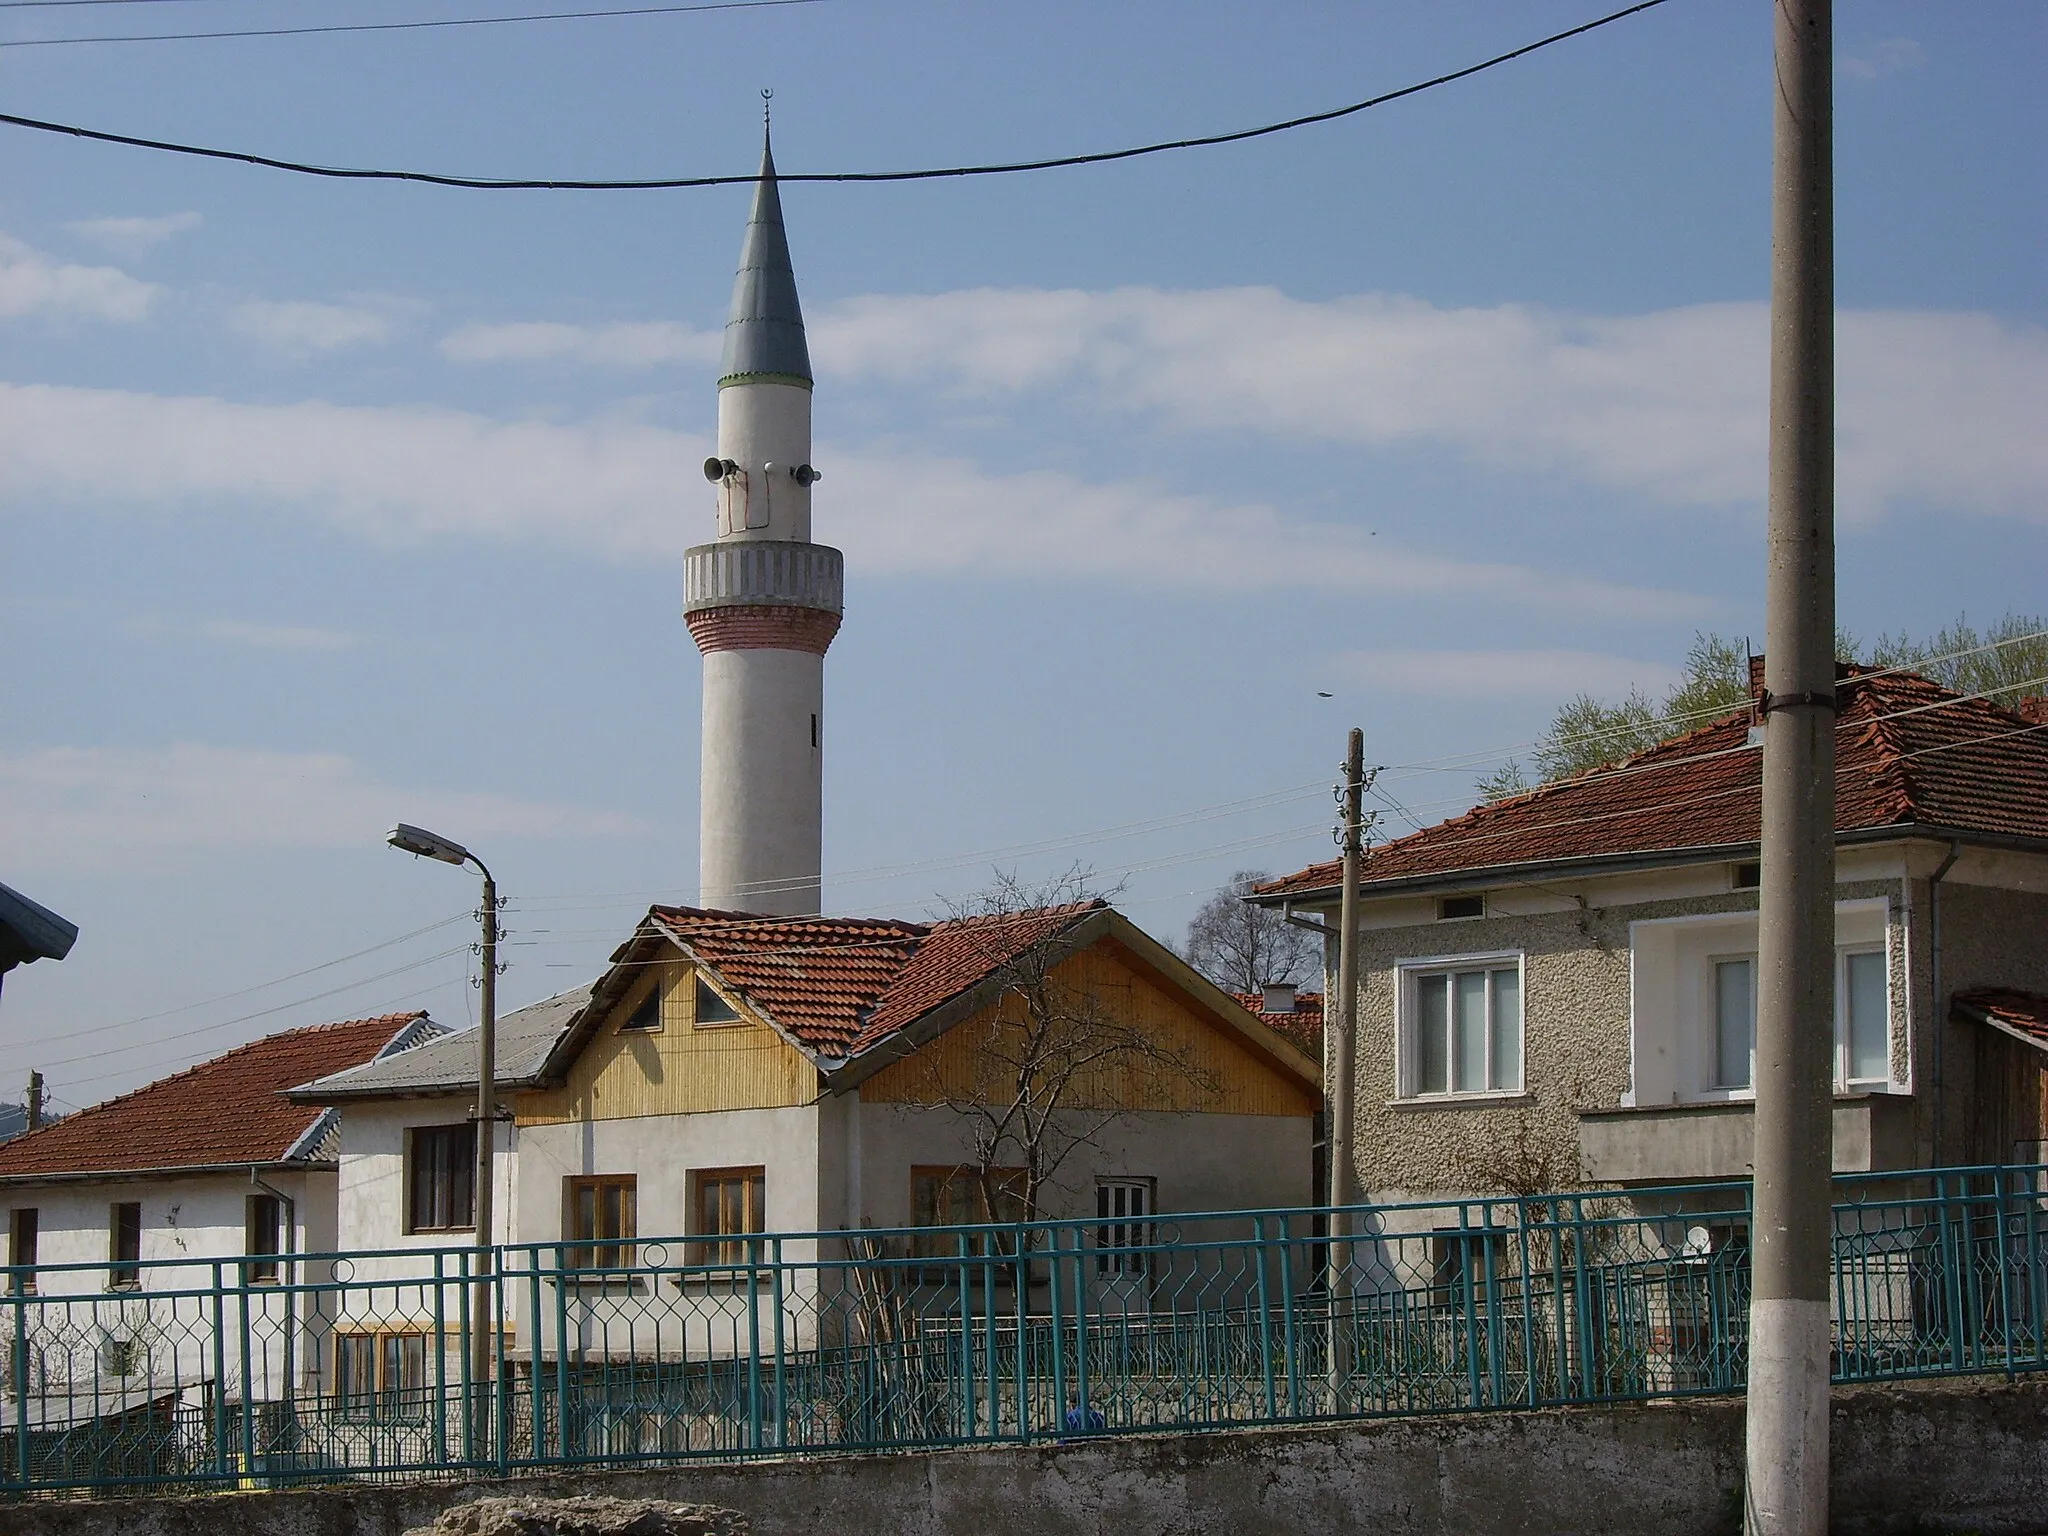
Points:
x=1059, y=162
x=376, y=26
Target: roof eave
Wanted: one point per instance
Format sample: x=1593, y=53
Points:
x=170, y=1171
x=1611, y=863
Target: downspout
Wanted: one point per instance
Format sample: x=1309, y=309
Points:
x=289, y=1279
x=1940, y=1010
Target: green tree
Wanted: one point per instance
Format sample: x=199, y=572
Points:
x=2005, y=661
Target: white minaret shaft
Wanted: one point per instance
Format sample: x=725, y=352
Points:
x=763, y=602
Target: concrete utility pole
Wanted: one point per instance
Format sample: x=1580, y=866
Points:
x=482, y=1314
x=1341, y=1092
x=1787, y=1488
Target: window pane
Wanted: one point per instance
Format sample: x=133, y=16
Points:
x=1734, y=1022
x=1469, y=993
x=1507, y=1030
x=1869, y=1024
x=1432, y=1034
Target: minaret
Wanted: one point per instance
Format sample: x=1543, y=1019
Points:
x=763, y=601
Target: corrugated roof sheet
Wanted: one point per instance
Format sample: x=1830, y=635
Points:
x=448, y=1064
x=1908, y=752
x=227, y=1112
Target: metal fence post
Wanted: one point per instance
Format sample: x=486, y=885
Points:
x=20, y=1280
x=220, y=1372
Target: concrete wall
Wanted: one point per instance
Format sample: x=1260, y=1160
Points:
x=1961, y=1458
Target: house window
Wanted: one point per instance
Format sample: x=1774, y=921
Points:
x=1734, y=1021
x=124, y=1245
x=727, y=1204
x=1464, y=1259
x=385, y=1372
x=713, y=1009
x=957, y=1197
x=22, y=1227
x=1863, y=1027
x=1745, y=877
x=1464, y=1029
x=1449, y=908
x=1123, y=1239
x=440, y=1178
x=265, y=1232
x=646, y=1015
x=602, y=1221
x=118, y=1356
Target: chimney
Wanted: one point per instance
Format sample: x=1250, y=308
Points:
x=1279, y=997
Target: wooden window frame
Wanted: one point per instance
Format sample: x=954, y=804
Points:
x=124, y=1245
x=382, y=1396
x=650, y=1006
x=948, y=1178
x=721, y=1246
x=24, y=1221
x=596, y=1249
x=413, y=1171
x=703, y=990
x=263, y=1266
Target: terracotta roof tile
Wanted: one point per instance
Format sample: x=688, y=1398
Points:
x=1908, y=752
x=1304, y=1026
x=225, y=1112
x=839, y=985
x=2023, y=1012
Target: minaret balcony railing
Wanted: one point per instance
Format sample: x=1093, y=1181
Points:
x=767, y=572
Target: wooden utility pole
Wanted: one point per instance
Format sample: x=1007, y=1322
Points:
x=1791, y=1240
x=35, y=1101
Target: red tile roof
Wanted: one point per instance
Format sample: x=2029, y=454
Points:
x=2024, y=1013
x=227, y=1112
x=1908, y=754
x=839, y=985
x=1304, y=1026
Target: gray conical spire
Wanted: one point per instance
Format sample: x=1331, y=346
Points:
x=764, y=332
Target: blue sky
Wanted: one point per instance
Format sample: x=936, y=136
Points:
x=328, y=504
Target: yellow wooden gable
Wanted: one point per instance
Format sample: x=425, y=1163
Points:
x=683, y=1066
x=1223, y=1072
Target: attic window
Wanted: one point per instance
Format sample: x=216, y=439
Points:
x=647, y=1016
x=1746, y=877
x=1450, y=907
x=713, y=1009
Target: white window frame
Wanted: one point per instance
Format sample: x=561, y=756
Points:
x=1407, y=1049
x=1844, y=1083
x=1709, y=1049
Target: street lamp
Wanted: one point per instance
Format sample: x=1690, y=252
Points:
x=429, y=845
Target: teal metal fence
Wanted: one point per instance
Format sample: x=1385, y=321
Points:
x=235, y=1373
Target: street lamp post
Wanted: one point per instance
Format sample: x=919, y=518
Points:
x=427, y=845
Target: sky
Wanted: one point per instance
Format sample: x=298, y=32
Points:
x=327, y=504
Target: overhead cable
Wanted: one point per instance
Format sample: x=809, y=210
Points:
x=375, y=26
x=1058, y=162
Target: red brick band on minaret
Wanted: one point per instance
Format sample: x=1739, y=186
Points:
x=763, y=627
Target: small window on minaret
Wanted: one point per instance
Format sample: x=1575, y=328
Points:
x=814, y=733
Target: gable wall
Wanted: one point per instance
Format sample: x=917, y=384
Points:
x=1244, y=1082
x=678, y=1069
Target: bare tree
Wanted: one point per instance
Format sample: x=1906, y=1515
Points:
x=1243, y=948
x=1053, y=1059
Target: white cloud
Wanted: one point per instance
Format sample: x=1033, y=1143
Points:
x=34, y=283
x=627, y=489
x=302, y=327
x=1504, y=674
x=634, y=344
x=1669, y=405
x=134, y=238
x=74, y=806
x=278, y=637
x=1874, y=61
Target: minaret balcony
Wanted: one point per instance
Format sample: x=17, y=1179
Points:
x=764, y=573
